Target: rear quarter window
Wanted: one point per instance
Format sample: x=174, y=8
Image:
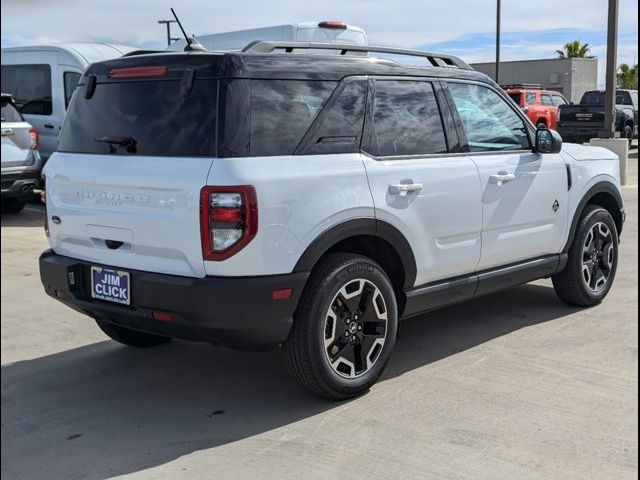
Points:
x=154, y=114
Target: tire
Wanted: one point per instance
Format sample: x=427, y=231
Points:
x=593, y=260
x=132, y=338
x=628, y=134
x=541, y=125
x=12, y=205
x=336, y=347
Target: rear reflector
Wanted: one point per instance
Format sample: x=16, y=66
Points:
x=137, y=72
x=333, y=24
x=161, y=316
x=282, y=294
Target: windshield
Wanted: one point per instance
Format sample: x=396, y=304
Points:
x=9, y=112
x=143, y=118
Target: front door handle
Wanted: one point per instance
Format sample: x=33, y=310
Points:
x=403, y=188
x=501, y=177
x=48, y=125
x=7, y=131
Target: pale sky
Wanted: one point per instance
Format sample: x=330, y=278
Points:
x=461, y=27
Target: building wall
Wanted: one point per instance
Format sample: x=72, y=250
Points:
x=570, y=76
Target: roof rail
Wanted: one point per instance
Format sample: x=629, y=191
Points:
x=523, y=86
x=435, y=59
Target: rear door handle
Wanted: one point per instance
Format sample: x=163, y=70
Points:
x=403, y=188
x=48, y=125
x=501, y=177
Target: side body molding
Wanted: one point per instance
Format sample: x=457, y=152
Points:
x=354, y=228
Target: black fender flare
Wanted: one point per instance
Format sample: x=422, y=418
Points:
x=356, y=227
x=600, y=187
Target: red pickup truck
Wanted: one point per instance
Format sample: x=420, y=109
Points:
x=541, y=106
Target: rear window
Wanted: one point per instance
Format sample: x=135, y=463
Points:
x=597, y=98
x=9, y=112
x=282, y=111
x=157, y=119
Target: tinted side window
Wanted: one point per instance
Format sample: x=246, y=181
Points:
x=341, y=123
x=406, y=119
x=531, y=99
x=489, y=122
x=30, y=86
x=282, y=111
x=70, y=83
x=623, y=98
x=546, y=99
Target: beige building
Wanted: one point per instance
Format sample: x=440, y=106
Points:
x=569, y=76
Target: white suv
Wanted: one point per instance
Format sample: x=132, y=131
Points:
x=262, y=198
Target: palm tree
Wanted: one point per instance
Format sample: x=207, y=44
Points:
x=628, y=76
x=574, y=49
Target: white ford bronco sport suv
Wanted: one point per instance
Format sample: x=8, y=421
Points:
x=266, y=198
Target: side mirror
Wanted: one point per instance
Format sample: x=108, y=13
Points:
x=548, y=141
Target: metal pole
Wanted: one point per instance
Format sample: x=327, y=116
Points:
x=612, y=67
x=498, y=42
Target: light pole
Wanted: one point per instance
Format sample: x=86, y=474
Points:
x=498, y=42
x=612, y=67
x=168, y=24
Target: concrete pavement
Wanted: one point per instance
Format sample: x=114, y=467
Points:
x=514, y=385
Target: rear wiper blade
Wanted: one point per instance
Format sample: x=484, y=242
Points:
x=115, y=142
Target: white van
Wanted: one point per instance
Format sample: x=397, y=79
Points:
x=42, y=78
x=316, y=32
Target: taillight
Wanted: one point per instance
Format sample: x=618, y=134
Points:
x=228, y=220
x=35, y=140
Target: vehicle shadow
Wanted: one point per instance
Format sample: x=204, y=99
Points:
x=31, y=216
x=104, y=410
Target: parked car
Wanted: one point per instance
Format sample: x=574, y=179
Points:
x=320, y=199
x=580, y=123
x=21, y=162
x=324, y=32
x=42, y=78
x=541, y=106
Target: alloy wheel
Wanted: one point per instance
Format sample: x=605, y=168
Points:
x=598, y=257
x=355, y=328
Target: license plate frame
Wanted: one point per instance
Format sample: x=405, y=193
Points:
x=111, y=285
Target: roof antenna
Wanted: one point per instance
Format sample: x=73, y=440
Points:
x=192, y=43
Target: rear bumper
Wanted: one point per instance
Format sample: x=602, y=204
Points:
x=236, y=312
x=20, y=184
x=578, y=134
